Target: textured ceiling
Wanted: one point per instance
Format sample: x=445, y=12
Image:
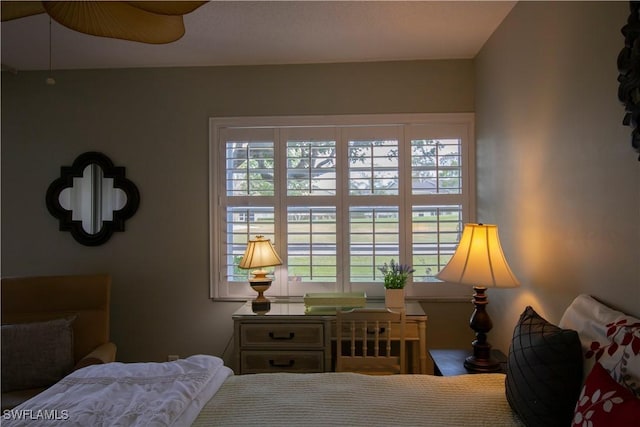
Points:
x=265, y=32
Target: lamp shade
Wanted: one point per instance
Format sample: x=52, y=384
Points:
x=259, y=253
x=479, y=260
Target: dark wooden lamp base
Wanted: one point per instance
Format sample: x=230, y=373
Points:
x=482, y=365
x=480, y=322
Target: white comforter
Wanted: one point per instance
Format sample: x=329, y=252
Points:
x=131, y=394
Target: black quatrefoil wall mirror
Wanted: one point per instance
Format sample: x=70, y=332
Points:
x=92, y=198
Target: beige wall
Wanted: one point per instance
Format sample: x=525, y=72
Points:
x=555, y=170
x=155, y=123
x=555, y=167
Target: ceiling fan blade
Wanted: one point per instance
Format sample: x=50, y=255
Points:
x=167, y=7
x=116, y=19
x=20, y=9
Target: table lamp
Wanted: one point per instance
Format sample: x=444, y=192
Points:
x=260, y=253
x=479, y=261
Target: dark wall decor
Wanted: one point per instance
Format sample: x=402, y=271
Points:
x=92, y=198
x=629, y=74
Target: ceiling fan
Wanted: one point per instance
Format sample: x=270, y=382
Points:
x=154, y=22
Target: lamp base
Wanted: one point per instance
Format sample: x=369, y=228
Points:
x=473, y=364
x=260, y=307
x=480, y=322
x=260, y=286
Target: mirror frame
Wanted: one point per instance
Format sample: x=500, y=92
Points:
x=76, y=170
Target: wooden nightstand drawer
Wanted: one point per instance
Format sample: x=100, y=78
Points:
x=279, y=335
x=255, y=362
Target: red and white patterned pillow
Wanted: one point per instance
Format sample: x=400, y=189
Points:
x=604, y=402
x=608, y=337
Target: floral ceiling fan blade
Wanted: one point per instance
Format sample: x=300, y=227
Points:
x=167, y=7
x=116, y=19
x=20, y=9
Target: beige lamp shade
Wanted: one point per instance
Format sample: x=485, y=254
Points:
x=479, y=260
x=259, y=253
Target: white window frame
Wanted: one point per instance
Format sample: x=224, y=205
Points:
x=220, y=289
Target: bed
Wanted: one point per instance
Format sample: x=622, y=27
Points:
x=201, y=391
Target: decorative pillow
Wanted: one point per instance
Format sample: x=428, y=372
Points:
x=36, y=354
x=544, y=371
x=604, y=402
x=609, y=337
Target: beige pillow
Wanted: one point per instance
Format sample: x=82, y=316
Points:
x=36, y=354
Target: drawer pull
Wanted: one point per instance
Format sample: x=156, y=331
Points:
x=282, y=337
x=273, y=364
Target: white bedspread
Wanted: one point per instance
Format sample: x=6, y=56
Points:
x=125, y=394
x=346, y=399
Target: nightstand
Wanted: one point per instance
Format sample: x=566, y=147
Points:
x=281, y=339
x=447, y=363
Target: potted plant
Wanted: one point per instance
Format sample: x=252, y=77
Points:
x=395, y=279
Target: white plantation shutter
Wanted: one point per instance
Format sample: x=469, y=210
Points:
x=339, y=196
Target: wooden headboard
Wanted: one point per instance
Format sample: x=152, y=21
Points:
x=29, y=299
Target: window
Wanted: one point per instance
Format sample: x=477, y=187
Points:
x=339, y=196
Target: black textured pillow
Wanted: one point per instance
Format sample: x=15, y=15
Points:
x=36, y=354
x=544, y=371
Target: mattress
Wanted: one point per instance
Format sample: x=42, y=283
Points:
x=349, y=399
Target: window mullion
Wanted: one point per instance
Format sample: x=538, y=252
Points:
x=280, y=208
x=406, y=198
x=469, y=174
x=342, y=209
